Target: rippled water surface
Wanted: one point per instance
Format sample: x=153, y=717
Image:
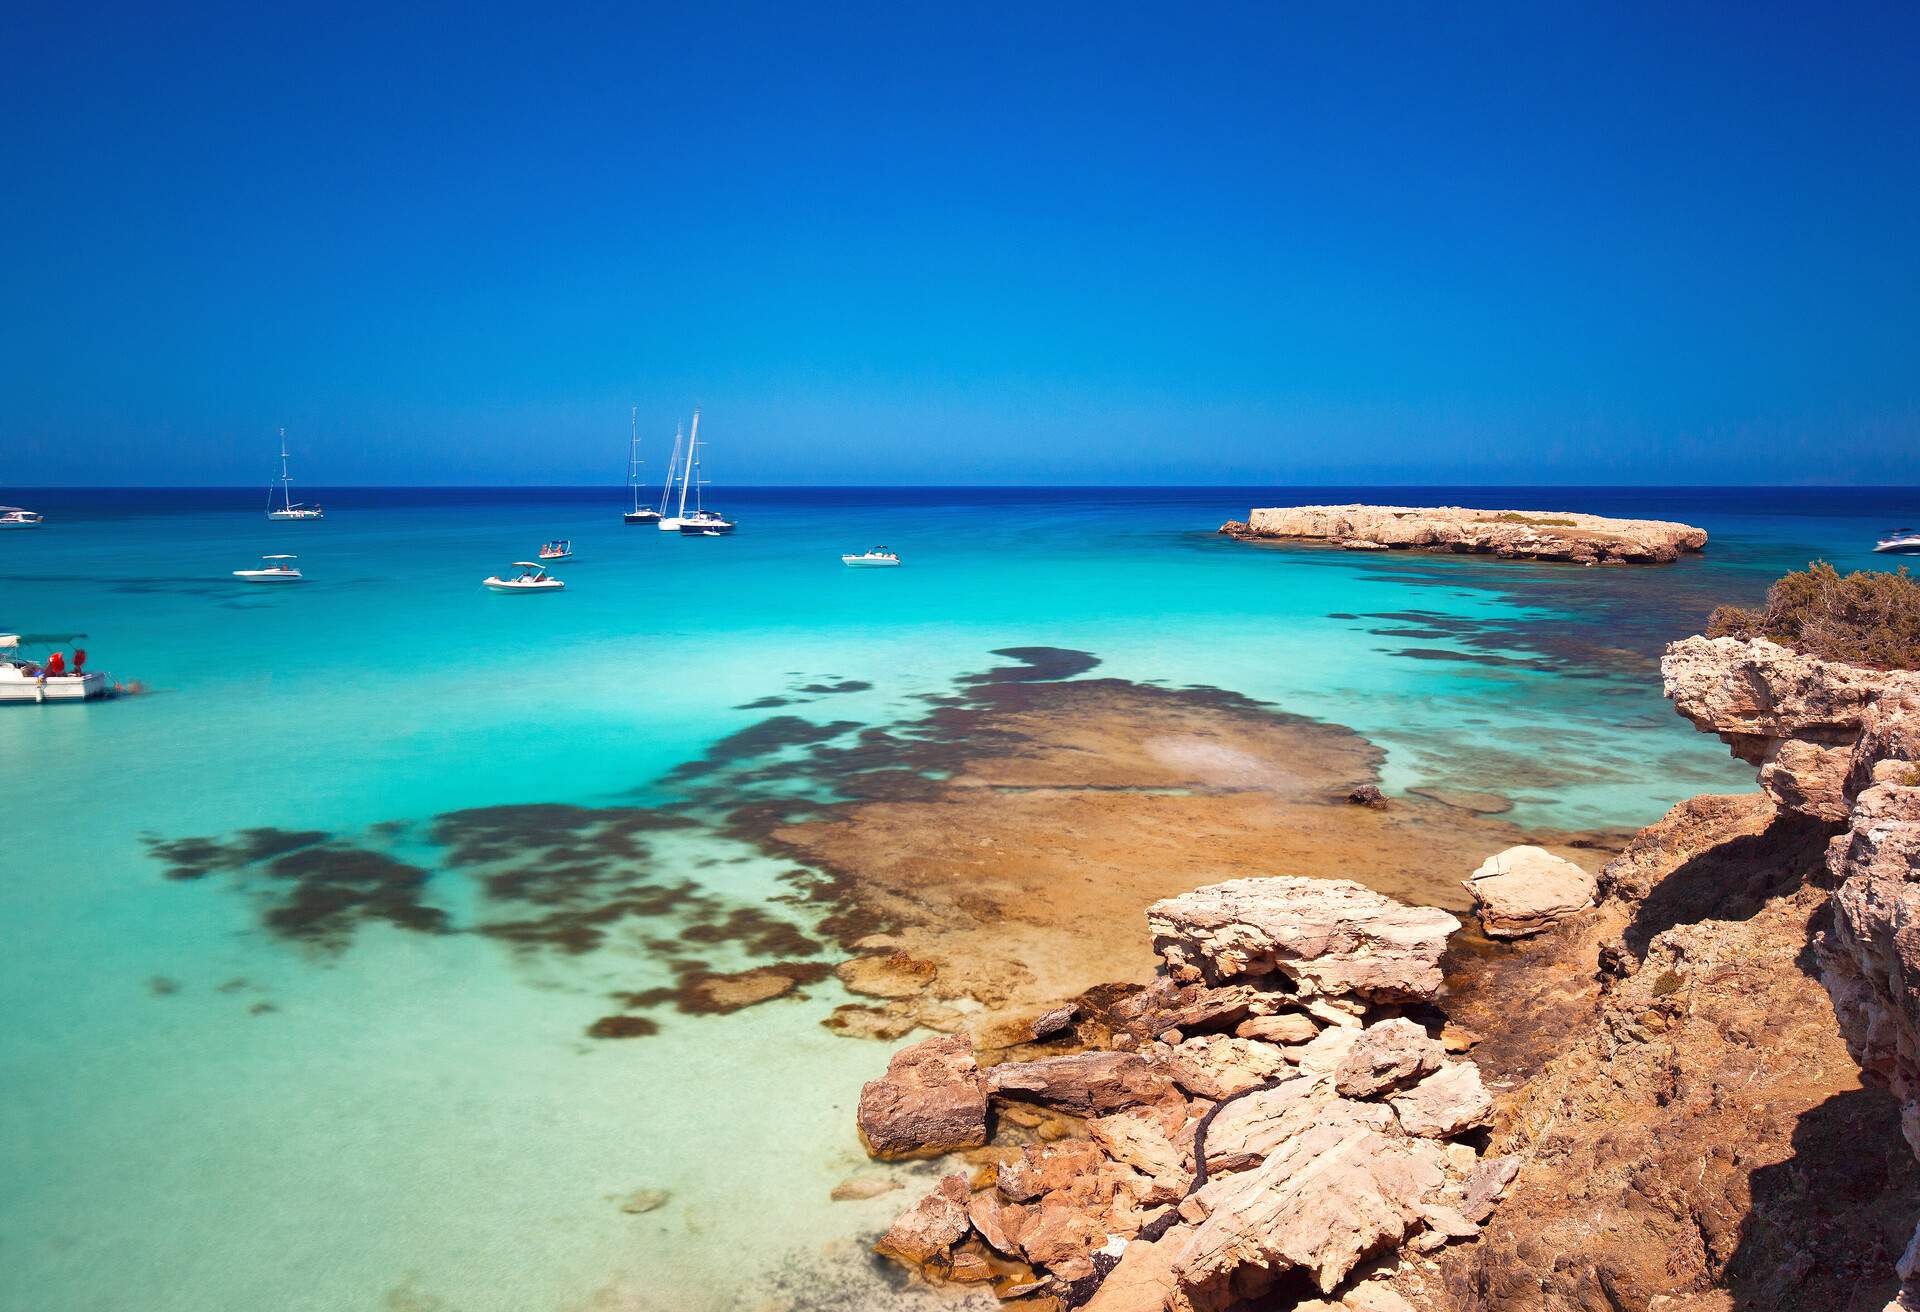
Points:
x=305, y=946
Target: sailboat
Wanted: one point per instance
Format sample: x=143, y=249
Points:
x=639, y=514
x=675, y=522
x=289, y=508
x=702, y=522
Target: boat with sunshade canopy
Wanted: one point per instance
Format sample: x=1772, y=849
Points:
x=273, y=569
x=54, y=678
x=524, y=576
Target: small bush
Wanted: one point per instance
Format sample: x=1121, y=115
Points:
x=1515, y=517
x=1868, y=618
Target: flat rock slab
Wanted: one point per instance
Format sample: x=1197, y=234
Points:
x=1512, y=534
x=1331, y=937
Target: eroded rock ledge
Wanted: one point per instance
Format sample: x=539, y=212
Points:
x=1840, y=744
x=1272, y=1116
x=1511, y=534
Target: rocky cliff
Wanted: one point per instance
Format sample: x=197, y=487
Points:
x=1838, y=743
x=1513, y=534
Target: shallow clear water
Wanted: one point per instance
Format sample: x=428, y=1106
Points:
x=196, y=1113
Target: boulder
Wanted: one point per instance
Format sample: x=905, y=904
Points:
x=926, y=1233
x=1524, y=889
x=1287, y=1027
x=1329, y=1198
x=1215, y=1066
x=1083, y=1082
x=1328, y=936
x=1450, y=1101
x=1250, y=1129
x=932, y=1100
x=1691, y=829
x=1386, y=1056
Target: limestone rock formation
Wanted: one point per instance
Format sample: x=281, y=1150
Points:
x=1327, y=936
x=932, y=1100
x=1245, y=1144
x=927, y=1231
x=1083, y=1082
x=1385, y=1056
x=1524, y=889
x=1513, y=534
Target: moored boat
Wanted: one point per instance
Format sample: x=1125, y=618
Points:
x=54, y=679
x=18, y=517
x=273, y=569
x=639, y=514
x=558, y=549
x=289, y=508
x=525, y=576
x=872, y=558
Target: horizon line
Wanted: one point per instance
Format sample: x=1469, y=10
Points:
x=23, y=488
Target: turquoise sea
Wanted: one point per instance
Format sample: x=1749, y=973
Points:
x=292, y=1021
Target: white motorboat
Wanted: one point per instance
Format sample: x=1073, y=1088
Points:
x=1900, y=542
x=558, y=549
x=273, y=569
x=15, y=517
x=52, y=680
x=672, y=523
x=872, y=558
x=525, y=576
x=289, y=508
x=639, y=514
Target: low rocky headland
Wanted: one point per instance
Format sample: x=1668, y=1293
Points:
x=1690, y=1083
x=1555, y=535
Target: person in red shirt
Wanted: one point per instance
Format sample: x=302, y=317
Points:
x=56, y=664
x=79, y=660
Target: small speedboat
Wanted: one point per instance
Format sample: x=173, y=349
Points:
x=560, y=549
x=15, y=517
x=273, y=569
x=1900, y=542
x=872, y=558
x=51, y=680
x=525, y=576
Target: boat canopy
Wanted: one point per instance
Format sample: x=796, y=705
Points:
x=14, y=510
x=279, y=557
x=527, y=564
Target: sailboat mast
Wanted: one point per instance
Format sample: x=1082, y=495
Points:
x=633, y=461
x=286, y=479
x=673, y=467
x=693, y=448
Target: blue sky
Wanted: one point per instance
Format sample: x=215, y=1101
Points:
x=954, y=244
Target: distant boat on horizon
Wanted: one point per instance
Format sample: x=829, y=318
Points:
x=702, y=522
x=289, y=508
x=1900, y=542
x=640, y=514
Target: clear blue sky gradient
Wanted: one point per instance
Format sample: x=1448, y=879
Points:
x=912, y=243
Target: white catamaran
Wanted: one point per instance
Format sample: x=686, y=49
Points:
x=289, y=508
x=640, y=514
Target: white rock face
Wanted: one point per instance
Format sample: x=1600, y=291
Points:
x=1330, y=936
x=1523, y=890
x=1329, y=1198
x=1450, y=1101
